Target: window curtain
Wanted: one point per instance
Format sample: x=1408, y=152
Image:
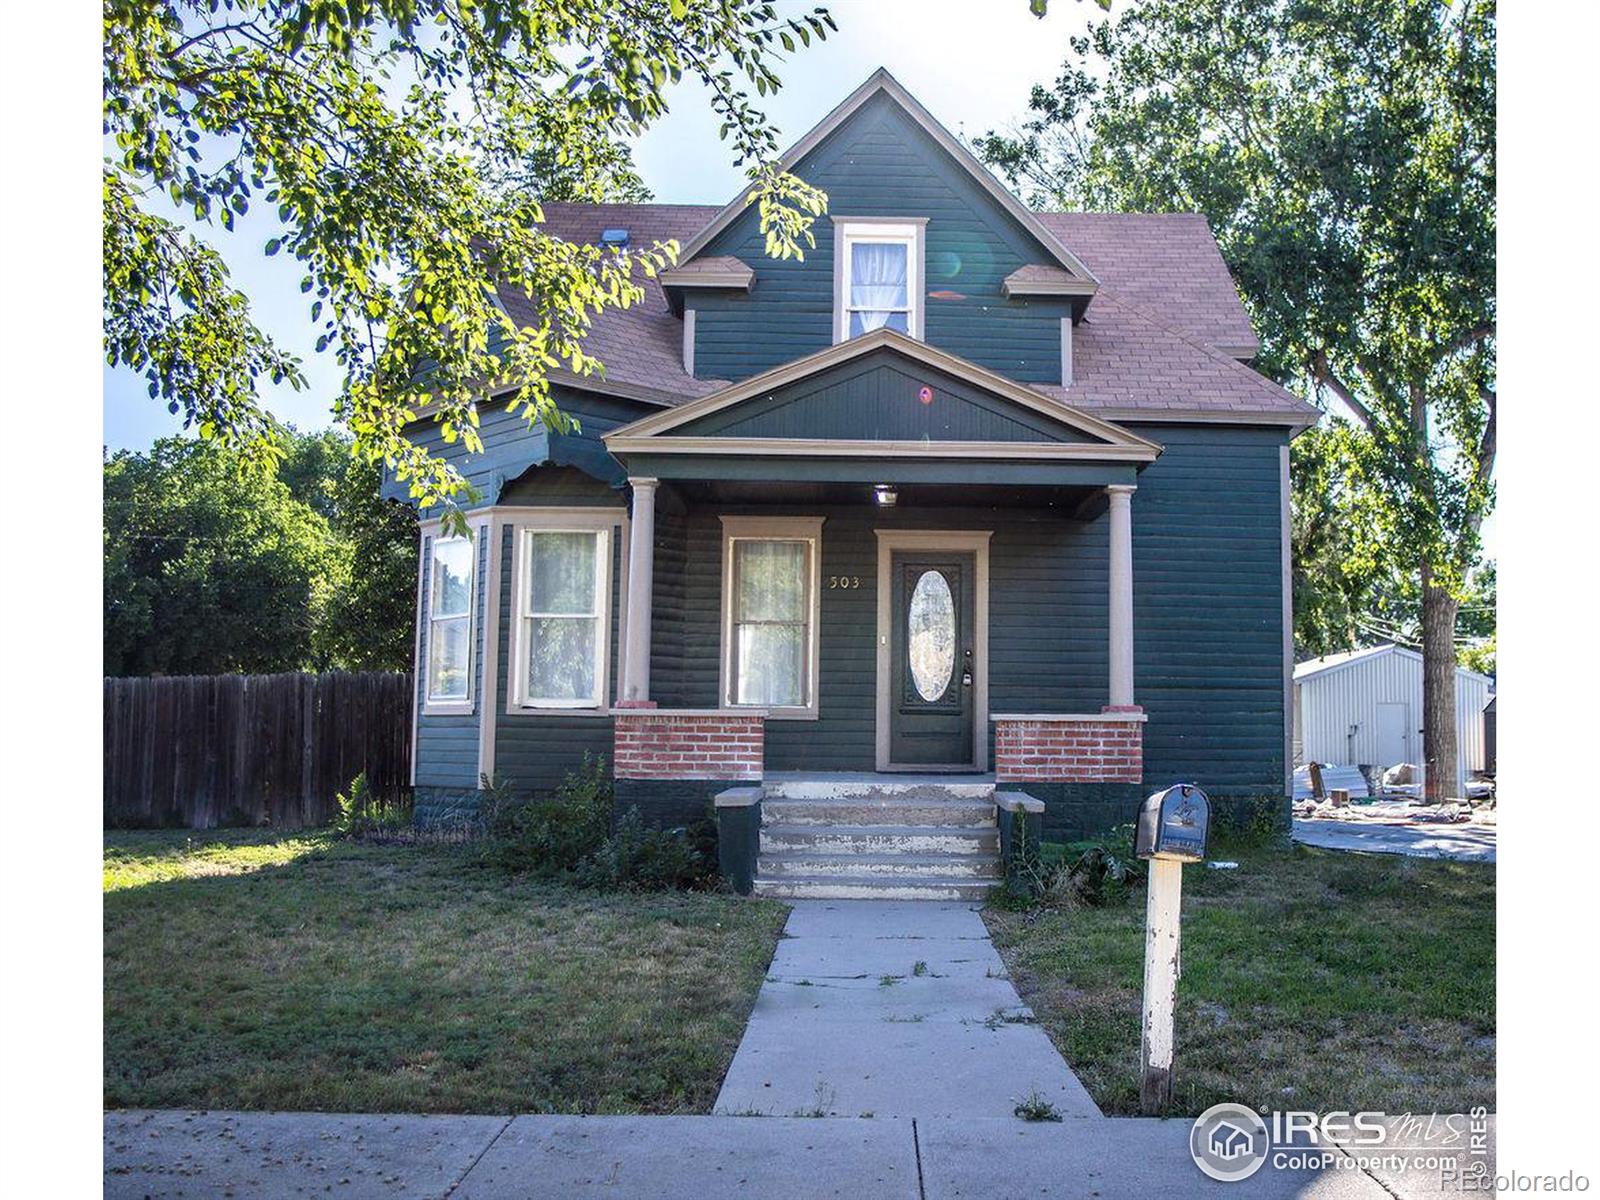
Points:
x=770, y=620
x=877, y=282
x=563, y=622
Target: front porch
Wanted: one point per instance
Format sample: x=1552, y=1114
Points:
x=1023, y=675
x=878, y=560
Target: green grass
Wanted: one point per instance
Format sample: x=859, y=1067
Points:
x=263, y=970
x=1311, y=979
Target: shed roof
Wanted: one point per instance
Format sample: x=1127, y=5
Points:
x=1314, y=667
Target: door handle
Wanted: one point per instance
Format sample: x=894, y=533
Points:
x=966, y=668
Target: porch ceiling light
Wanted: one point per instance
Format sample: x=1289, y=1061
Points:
x=885, y=495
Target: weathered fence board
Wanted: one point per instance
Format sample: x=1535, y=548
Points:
x=201, y=751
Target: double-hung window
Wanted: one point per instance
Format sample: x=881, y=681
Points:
x=563, y=589
x=770, y=608
x=878, y=268
x=450, y=593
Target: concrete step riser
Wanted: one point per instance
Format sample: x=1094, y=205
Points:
x=947, y=867
x=826, y=789
x=929, y=841
x=840, y=889
x=844, y=812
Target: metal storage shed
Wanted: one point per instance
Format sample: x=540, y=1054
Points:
x=1364, y=707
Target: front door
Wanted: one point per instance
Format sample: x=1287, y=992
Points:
x=930, y=656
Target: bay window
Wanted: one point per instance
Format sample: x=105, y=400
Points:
x=770, y=608
x=450, y=597
x=878, y=273
x=562, y=629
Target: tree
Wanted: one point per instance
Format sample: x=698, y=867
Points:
x=208, y=568
x=370, y=618
x=381, y=134
x=211, y=567
x=1330, y=593
x=606, y=175
x=1344, y=152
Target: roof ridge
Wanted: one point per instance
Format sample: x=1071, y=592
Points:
x=1118, y=212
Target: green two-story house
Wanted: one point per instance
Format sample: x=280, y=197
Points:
x=973, y=506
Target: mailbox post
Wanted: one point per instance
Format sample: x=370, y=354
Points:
x=1172, y=831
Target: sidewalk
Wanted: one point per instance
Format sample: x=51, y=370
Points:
x=885, y=1009
x=263, y=1156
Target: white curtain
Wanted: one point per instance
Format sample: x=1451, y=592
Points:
x=770, y=617
x=562, y=619
x=877, y=283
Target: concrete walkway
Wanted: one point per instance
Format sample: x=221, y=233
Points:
x=885, y=1009
x=264, y=1156
x=1465, y=842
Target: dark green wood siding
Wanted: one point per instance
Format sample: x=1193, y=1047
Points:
x=877, y=397
x=534, y=751
x=1207, y=616
x=880, y=163
x=552, y=486
x=511, y=445
x=1047, y=622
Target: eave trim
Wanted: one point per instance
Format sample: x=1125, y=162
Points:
x=863, y=448
x=743, y=280
x=1039, y=287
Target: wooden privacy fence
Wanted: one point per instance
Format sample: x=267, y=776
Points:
x=200, y=751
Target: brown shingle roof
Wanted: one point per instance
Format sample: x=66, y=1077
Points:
x=642, y=346
x=1165, y=264
x=1125, y=364
x=1149, y=342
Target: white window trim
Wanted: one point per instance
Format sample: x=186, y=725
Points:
x=601, y=522
x=798, y=529
x=445, y=706
x=908, y=231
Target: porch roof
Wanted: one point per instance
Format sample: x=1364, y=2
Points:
x=882, y=407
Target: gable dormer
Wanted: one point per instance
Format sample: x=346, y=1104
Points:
x=919, y=238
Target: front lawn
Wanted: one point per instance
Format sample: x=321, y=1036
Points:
x=250, y=969
x=1312, y=979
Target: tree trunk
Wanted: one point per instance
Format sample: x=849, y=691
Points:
x=1439, y=752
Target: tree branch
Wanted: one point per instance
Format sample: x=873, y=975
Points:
x=1488, y=444
x=1323, y=374
x=1465, y=341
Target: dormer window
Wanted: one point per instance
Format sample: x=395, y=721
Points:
x=877, y=277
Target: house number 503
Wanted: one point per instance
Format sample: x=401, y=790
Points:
x=844, y=581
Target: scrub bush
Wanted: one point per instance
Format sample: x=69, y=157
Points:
x=548, y=835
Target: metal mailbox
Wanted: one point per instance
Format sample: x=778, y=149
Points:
x=1173, y=824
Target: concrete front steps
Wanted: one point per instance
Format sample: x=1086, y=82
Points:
x=878, y=838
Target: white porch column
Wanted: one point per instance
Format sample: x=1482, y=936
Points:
x=641, y=578
x=1120, y=600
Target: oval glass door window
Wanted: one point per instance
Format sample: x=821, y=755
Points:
x=931, y=617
